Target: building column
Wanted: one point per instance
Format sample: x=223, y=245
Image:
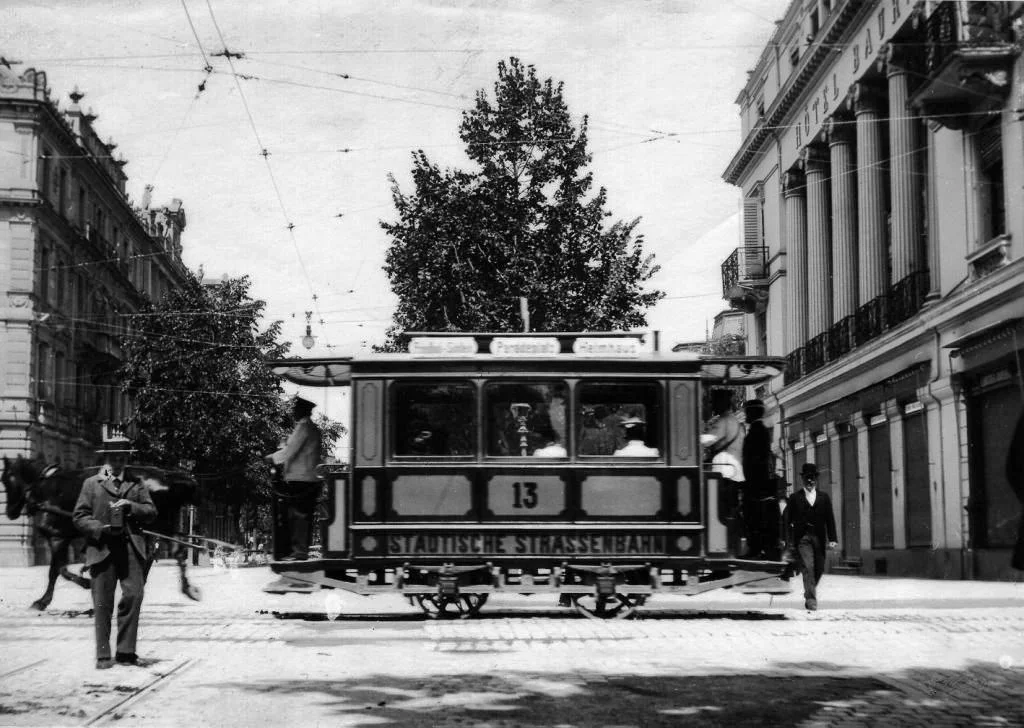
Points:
x=872, y=196
x=819, y=253
x=794, y=192
x=904, y=175
x=844, y=218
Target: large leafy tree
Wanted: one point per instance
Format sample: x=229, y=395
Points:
x=203, y=397
x=524, y=222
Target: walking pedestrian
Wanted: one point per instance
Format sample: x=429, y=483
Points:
x=297, y=496
x=110, y=512
x=811, y=525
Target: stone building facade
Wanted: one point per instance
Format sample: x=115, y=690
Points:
x=882, y=174
x=77, y=259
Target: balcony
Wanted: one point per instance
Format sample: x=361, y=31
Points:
x=966, y=62
x=745, y=277
x=898, y=304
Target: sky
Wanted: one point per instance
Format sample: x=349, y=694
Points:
x=340, y=94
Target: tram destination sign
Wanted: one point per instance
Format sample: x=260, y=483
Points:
x=489, y=543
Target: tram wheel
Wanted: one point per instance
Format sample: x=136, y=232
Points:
x=613, y=606
x=463, y=606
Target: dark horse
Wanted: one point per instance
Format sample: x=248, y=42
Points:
x=33, y=488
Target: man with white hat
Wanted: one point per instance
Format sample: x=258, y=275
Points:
x=635, y=446
x=298, y=459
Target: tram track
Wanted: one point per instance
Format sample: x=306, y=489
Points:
x=23, y=668
x=139, y=693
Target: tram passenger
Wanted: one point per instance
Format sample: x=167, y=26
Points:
x=299, y=458
x=635, y=446
x=810, y=525
x=598, y=437
x=760, y=506
x=551, y=448
x=723, y=440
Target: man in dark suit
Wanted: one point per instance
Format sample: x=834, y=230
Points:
x=110, y=512
x=810, y=525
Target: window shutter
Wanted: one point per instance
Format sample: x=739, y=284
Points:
x=753, y=260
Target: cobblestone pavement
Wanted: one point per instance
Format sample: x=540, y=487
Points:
x=243, y=658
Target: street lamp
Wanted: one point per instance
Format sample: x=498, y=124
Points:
x=308, y=340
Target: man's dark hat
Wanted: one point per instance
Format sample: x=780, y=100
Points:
x=304, y=404
x=809, y=469
x=753, y=404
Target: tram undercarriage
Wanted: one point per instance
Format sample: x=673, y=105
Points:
x=600, y=591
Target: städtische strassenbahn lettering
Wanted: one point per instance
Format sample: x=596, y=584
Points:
x=526, y=544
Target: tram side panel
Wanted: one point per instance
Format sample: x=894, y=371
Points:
x=391, y=513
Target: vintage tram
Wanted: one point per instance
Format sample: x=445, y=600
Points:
x=528, y=463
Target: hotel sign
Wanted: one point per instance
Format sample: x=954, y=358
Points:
x=858, y=53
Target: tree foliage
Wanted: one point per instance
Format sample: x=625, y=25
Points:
x=203, y=396
x=466, y=245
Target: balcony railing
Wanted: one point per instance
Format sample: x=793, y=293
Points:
x=953, y=26
x=967, y=54
x=907, y=297
x=872, y=319
x=745, y=264
x=794, y=366
x=816, y=353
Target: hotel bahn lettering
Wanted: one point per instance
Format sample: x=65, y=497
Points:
x=528, y=544
x=858, y=55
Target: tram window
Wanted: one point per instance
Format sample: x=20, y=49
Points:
x=619, y=419
x=526, y=418
x=435, y=419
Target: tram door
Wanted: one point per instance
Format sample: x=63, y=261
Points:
x=850, y=486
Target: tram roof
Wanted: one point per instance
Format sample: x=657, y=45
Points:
x=522, y=352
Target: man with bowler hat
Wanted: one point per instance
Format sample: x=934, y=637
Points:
x=297, y=497
x=810, y=524
x=111, y=511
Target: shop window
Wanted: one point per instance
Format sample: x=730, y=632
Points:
x=526, y=418
x=434, y=419
x=619, y=419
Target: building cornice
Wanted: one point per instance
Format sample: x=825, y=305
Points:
x=839, y=23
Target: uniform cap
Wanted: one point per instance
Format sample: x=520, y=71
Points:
x=631, y=421
x=300, y=402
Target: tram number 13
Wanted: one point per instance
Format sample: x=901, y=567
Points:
x=524, y=495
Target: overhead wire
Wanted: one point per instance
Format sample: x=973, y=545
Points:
x=264, y=152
